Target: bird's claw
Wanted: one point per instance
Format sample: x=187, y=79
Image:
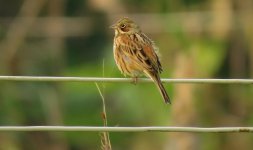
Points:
x=135, y=80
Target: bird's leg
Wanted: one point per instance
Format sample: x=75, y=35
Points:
x=135, y=80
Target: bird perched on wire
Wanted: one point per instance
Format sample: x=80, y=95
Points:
x=135, y=54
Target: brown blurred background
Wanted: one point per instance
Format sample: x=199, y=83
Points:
x=196, y=38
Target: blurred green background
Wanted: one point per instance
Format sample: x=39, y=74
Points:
x=197, y=39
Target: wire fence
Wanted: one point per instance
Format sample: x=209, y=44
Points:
x=124, y=129
x=127, y=129
x=98, y=79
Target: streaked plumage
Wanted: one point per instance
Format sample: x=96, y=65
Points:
x=135, y=54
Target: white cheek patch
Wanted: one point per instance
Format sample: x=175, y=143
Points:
x=116, y=32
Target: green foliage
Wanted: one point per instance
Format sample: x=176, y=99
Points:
x=194, y=44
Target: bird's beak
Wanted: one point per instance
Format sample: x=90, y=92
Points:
x=114, y=26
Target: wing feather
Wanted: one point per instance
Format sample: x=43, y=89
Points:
x=141, y=50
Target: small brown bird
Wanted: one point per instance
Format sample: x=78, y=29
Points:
x=136, y=55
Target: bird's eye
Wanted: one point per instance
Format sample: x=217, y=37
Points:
x=122, y=26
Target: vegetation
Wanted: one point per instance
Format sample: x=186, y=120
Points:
x=197, y=39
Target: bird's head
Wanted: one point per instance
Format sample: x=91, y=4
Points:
x=125, y=26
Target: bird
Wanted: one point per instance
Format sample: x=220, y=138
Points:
x=136, y=54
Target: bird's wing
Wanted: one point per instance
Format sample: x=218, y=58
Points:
x=142, y=52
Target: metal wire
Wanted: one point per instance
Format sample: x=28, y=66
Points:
x=98, y=79
x=124, y=129
x=127, y=129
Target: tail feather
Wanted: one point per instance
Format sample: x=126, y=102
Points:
x=163, y=92
x=160, y=87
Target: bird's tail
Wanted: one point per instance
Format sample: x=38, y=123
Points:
x=160, y=87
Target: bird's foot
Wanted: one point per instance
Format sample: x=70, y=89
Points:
x=135, y=80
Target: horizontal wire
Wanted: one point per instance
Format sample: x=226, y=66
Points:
x=127, y=129
x=99, y=79
x=124, y=129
